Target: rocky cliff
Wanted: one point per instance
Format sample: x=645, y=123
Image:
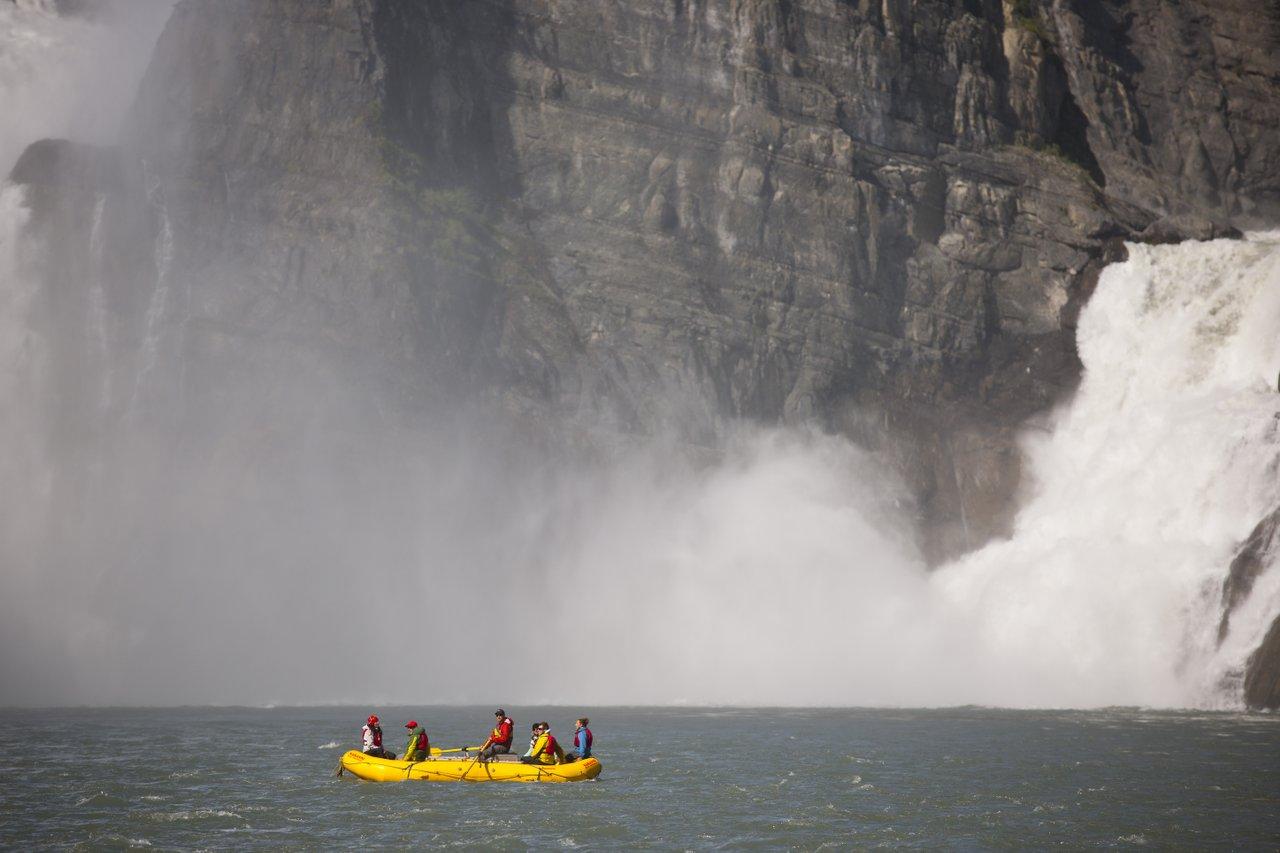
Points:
x=616, y=218
x=631, y=216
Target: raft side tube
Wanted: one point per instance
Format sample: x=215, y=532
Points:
x=435, y=769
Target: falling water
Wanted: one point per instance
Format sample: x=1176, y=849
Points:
x=98, y=333
x=777, y=576
x=60, y=77
x=1149, y=480
x=158, y=306
x=21, y=358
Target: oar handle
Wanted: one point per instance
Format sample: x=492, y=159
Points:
x=456, y=749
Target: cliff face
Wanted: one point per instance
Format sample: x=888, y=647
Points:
x=626, y=217
x=1181, y=100
x=619, y=217
x=295, y=246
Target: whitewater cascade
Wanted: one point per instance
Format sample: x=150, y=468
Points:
x=780, y=575
x=1144, y=486
x=42, y=57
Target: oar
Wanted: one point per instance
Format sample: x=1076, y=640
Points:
x=469, y=766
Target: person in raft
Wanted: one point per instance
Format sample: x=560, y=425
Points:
x=581, y=740
x=533, y=738
x=419, y=747
x=545, y=750
x=372, y=736
x=499, y=740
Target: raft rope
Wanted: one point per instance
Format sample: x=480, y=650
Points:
x=543, y=772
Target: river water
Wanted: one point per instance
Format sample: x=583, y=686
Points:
x=695, y=778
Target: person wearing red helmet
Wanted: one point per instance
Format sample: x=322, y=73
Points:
x=499, y=740
x=372, y=735
x=419, y=747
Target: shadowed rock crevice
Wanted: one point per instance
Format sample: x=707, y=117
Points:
x=440, y=121
x=1071, y=136
x=445, y=93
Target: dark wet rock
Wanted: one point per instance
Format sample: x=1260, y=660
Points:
x=1179, y=98
x=1256, y=555
x=1253, y=557
x=67, y=164
x=1114, y=251
x=1262, y=674
x=1183, y=227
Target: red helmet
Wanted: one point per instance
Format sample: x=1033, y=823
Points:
x=412, y=724
x=373, y=719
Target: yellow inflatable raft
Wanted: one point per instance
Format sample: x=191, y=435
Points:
x=440, y=769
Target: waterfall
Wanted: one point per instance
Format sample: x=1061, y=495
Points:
x=21, y=355
x=776, y=577
x=1149, y=480
x=61, y=76
x=158, y=306
x=38, y=58
x=98, y=332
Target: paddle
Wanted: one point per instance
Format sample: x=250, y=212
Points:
x=479, y=755
x=469, y=766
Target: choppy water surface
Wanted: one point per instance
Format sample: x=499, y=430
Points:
x=688, y=778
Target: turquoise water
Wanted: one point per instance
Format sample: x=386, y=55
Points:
x=214, y=778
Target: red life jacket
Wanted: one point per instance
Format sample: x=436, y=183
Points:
x=377, y=735
x=423, y=745
x=503, y=733
x=583, y=730
x=550, y=748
